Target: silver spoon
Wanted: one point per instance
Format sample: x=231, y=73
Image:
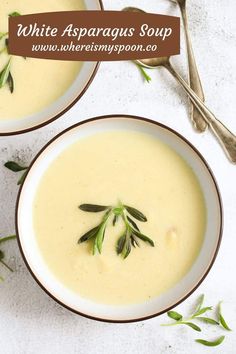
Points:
x=224, y=136
x=198, y=121
x=194, y=78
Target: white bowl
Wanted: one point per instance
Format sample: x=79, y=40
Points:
x=36, y=263
x=63, y=103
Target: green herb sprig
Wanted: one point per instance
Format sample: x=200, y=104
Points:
x=143, y=72
x=130, y=236
x=6, y=77
x=16, y=167
x=200, y=310
x=197, y=315
x=2, y=255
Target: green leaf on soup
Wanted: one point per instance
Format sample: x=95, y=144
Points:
x=136, y=213
x=93, y=208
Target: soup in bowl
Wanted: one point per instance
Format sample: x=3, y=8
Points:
x=39, y=90
x=119, y=218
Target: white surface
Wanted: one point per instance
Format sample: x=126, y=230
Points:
x=31, y=323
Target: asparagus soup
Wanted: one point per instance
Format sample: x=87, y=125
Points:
x=33, y=84
x=119, y=217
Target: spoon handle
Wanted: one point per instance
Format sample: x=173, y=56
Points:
x=194, y=79
x=225, y=137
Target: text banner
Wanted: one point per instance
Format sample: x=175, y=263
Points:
x=94, y=35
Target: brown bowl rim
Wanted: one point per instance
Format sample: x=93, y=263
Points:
x=63, y=111
x=161, y=125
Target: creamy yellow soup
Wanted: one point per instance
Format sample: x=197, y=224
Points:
x=37, y=82
x=140, y=171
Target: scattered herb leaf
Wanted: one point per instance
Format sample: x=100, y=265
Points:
x=179, y=320
x=7, y=238
x=146, y=77
x=202, y=311
x=14, y=166
x=22, y=178
x=208, y=320
x=192, y=325
x=221, y=318
x=175, y=315
x=200, y=303
x=214, y=343
x=2, y=255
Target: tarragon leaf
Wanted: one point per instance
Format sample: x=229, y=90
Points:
x=88, y=235
x=14, y=166
x=144, y=238
x=100, y=237
x=134, y=240
x=175, y=315
x=93, y=208
x=221, y=318
x=22, y=178
x=192, y=325
x=7, y=238
x=202, y=311
x=127, y=248
x=2, y=255
x=143, y=72
x=208, y=320
x=133, y=223
x=211, y=343
x=200, y=303
x=136, y=213
x=120, y=244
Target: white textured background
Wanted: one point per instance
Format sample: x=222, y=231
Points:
x=32, y=323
